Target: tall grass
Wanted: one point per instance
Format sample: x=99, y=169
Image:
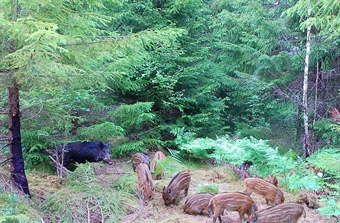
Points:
x=84, y=199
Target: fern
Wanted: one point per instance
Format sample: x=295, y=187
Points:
x=199, y=148
x=182, y=136
x=297, y=181
x=331, y=208
x=328, y=160
x=265, y=160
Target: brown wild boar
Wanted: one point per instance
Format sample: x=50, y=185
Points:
x=198, y=204
x=232, y=201
x=271, y=193
x=138, y=158
x=282, y=213
x=272, y=179
x=179, y=182
x=158, y=171
x=145, y=184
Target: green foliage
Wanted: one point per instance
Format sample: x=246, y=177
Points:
x=328, y=161
x=331, y=208
x=264, y=159
x=326, y=130
x=128, y=148
x=126, y=183
x=100, y=132
x=198, y=148
x=34, y=156
x=182, y=137
x=173, y=163
x=324, y=15
x=86, y=198
x=208, y=188
x=15, y=208
x=301, y=180
x=133, y=116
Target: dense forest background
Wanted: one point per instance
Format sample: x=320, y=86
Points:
x=173, y=74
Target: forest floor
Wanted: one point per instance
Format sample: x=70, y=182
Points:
x=157, y=212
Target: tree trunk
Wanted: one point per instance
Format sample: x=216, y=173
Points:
x=306, y=143
x=18, y=176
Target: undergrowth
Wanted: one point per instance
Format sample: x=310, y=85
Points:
x=293, y=172
x=84, y=199
x=14, y=207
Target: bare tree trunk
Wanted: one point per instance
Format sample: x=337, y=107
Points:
x=18, y=175
x=306, y=143
x=316, y=92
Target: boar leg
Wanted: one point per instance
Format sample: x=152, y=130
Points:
x=241, y=213
x=219, y=218
x=186, y=192
x=217, y=213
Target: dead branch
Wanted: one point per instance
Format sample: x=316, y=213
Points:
x=3, y=163
x=61, y=170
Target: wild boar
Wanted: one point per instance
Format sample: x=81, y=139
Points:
x=179, y=182
x=158, y=170
x=198, y=204
x=271, y=193
x=272, y=179
x=145, y=184
x=138, y=158
x=282, y=213
x=81, y=152
x=232, y=201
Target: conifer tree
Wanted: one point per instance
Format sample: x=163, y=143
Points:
x=53, y=48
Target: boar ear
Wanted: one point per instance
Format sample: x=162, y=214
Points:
x=164, y=188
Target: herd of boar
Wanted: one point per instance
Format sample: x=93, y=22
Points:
x=215, y=205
